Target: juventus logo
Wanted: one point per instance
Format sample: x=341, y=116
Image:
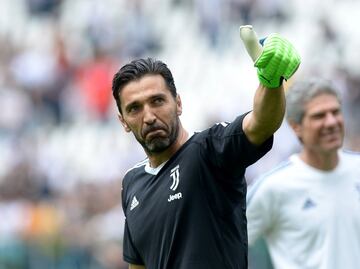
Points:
x=174, y=173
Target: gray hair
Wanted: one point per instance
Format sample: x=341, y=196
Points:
x=304, y=91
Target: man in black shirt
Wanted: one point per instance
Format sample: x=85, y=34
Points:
x=185, y=204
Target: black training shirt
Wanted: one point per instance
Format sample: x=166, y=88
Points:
x=190, y=213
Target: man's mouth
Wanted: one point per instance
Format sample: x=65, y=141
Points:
x=153, y=132
x=332, y=135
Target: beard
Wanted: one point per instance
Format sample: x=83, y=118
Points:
x=159, y=143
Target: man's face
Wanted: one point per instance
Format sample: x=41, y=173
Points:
x=322, y=127
x=151, y=113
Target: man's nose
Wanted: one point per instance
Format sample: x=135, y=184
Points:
x=330, y=119
x=149, y=115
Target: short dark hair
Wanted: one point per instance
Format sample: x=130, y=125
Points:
x=137, y=69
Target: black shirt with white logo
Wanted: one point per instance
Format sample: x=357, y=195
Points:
x=191, y=213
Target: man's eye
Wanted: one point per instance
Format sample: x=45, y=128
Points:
x=133, y=109
x=158, y=101
x=337, y=112
x=318, y=116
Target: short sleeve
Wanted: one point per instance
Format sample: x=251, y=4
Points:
x=130, y=254
x=228, y=148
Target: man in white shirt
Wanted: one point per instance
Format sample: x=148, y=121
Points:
x=308, y=208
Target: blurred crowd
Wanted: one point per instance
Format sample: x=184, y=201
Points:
x=62, y=150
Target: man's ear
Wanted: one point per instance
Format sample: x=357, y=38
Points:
x=297, y=128
x=178, y=105
x=123, y=123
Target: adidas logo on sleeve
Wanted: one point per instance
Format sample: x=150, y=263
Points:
x=134, y=203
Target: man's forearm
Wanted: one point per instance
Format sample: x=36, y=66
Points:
x=267, y=115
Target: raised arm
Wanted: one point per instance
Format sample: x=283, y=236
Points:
x=267, y=115
x=276, y=61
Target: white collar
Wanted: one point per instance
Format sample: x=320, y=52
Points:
x=153, y=171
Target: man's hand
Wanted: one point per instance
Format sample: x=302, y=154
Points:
x=279, y=60
x=276, y=60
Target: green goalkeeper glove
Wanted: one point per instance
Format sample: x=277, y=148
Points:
x=275, y=61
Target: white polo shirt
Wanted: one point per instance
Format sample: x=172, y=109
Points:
x=309, y=218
